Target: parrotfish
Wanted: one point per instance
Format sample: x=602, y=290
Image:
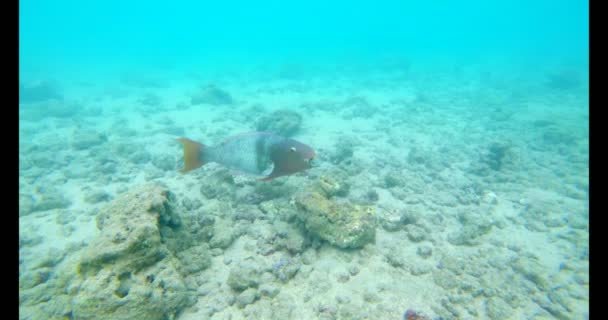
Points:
x=262, y=154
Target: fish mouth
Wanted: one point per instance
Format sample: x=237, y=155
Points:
x=309, y=161
x=310, y=158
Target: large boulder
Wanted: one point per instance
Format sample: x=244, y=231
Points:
x=340, y=223
x=127, y=272
x=130, y=239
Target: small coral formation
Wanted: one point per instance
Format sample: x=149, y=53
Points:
x=54, y=108
x=164, y=162
x=340, y=223
x=564, y=79
x=151, y=100
x=497, y=309
x=243, y=277
x=96, y=197
x=223, y=234
x=292, y=71
x=396, y=63
x=212, y=95
x=501, y=115
x=474, y=225
x=329, y=187
x=286, y=268
x=358, y=107
x=497, y=154
x=343, y=150
x=554, y=136
x=44, y=199
x=268, y=190
x=393, y=179
x=494, y=158
x=85, y=139
x=423, y=157
x=371, y=196
x=281, y=122
x=412, y=314
x=143, y=81
x=38, y=91
x=132, y=152
x=218, y=185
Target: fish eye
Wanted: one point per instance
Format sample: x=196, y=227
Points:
x=292, y=149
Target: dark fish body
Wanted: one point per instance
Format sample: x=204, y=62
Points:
x=257, y=153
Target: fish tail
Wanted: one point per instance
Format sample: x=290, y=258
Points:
x=192, y=154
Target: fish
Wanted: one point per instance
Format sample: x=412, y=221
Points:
x=265, y=155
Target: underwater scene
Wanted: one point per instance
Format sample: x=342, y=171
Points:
x=407, y=160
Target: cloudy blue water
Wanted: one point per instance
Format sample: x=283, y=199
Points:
x=450, y=178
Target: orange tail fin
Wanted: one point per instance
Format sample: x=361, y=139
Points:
x=192, y=154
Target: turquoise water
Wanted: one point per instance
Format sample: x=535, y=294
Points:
x=451, y=174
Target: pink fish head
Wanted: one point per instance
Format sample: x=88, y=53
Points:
x=289, y=157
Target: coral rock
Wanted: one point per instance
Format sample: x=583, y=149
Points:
x=341, y=224
x=127, y=272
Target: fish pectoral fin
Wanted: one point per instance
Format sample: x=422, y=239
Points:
x=276, y=172
x=269, y=170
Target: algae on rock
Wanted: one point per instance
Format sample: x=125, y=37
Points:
x=340, y=223
x=127, y=272
x=329, y=187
